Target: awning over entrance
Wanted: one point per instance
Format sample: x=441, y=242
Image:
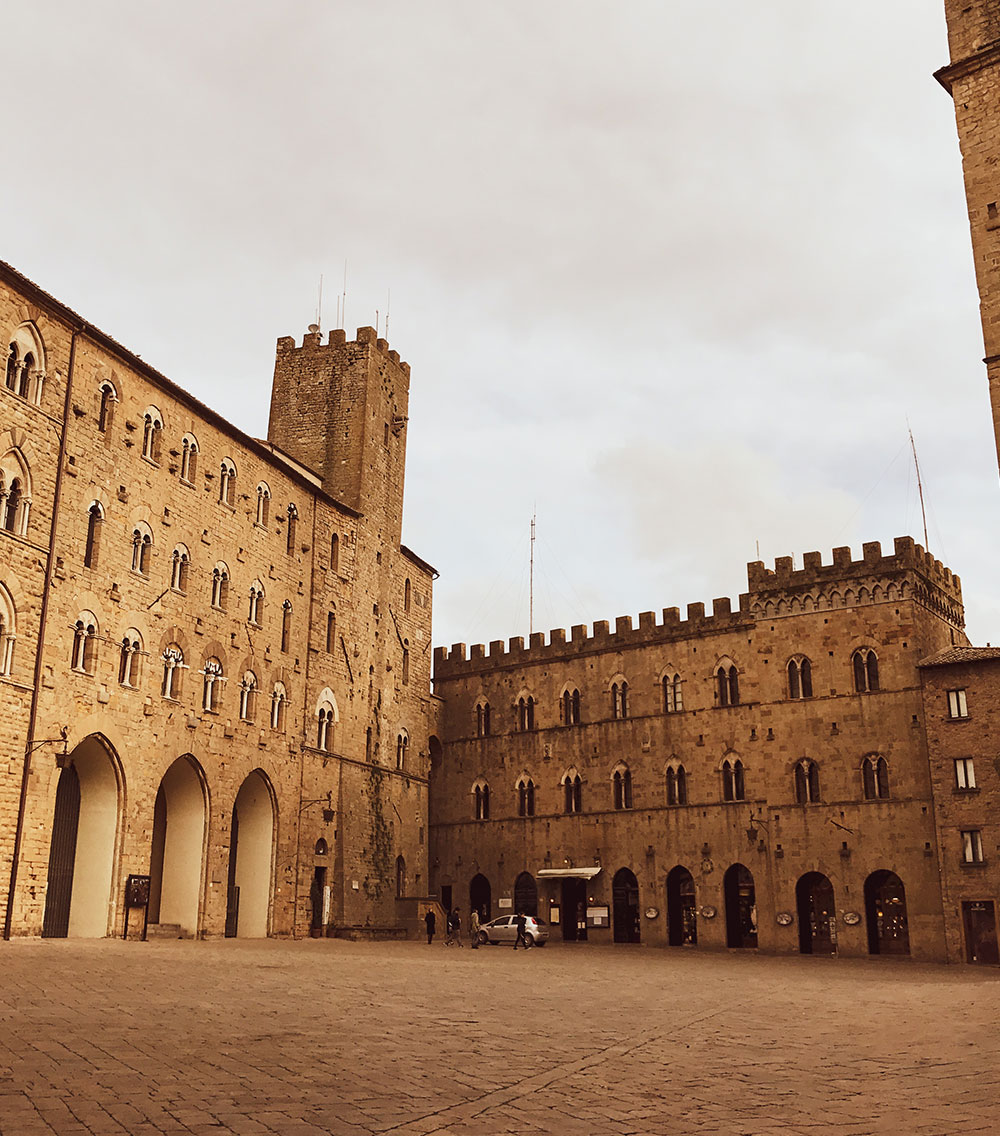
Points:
x=566, y=873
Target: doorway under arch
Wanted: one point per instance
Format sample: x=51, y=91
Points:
x=885, y=914
x=84, y=841
x=178, y=853
x=481, y=897
x=682, y=918
x=625, y=897
x=526, y=894
x=817, y=915
x=251, y=855
x=741, y=907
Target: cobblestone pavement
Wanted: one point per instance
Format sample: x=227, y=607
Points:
x=332, y=1037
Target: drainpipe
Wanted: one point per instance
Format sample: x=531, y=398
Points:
x=29, y=744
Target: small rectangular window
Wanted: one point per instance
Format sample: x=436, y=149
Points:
x=972, y=846
x=957, y=707
x=331, y=631
x=965, y=774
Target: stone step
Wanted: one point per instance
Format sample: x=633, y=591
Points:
x=166, y=931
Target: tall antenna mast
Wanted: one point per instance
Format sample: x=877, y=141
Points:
x=319, y=303
x=531, y=578
x=920, y=486
x=343, y=302
x=388, y=298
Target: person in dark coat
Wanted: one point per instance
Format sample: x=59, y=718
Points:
x=521, y=937
x=430, y=921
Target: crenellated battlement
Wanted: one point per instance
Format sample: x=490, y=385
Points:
x=909, y=573
x=312, y=341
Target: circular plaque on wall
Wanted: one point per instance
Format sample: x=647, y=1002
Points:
x=707, y=912
x=652, y=912
x=851, y=918
x=783, y=918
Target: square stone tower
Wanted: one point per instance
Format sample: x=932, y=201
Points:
x=973, y=80
x=340, y=408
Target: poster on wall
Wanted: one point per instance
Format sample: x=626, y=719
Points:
x=598, y=916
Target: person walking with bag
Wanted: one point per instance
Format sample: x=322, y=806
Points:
x=521, y=937
x=474, y=929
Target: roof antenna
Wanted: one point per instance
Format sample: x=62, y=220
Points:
x=343, y=305
x=388, y=297
x=920, y=486
x=531, y=579
x=319, y=303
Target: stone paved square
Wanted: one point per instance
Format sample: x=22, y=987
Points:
x=324, y=1036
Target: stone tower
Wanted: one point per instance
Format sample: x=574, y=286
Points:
x=340, y=408
x=973, y=80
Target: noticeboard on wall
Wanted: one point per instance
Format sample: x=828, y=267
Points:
x=598, y=917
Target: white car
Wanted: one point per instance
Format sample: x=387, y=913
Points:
x=504, y=930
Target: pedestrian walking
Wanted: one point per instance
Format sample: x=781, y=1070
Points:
x=521, y=937
x=430, y=920
x=474, y=929
x=454, y=929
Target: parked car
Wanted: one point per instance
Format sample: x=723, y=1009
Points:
x=504, y=930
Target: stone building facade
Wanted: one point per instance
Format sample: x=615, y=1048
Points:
x=214, y=654
x=753, y=777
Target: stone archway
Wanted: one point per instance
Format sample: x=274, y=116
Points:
x=885, y=914
x=526, y=894
x=741, y=907
x=682, y=918
x=251, y=858
x=481, y=897
x=176, y=860
x=625, y=897
x=84, y=842
x=817, y=915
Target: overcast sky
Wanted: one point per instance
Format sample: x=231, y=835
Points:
x=672, y=275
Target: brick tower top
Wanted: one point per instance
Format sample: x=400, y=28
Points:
x=973, y=26
x=340, y=408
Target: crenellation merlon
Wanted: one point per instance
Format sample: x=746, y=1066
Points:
x=337, y=337
x=936, y=586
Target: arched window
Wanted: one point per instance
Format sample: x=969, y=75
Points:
x=152, y=428
x=95, y=522
x=677, y=793
x=13, y=366
x=324, y=729
x=220, y=586
x=619, y=699
x=212, y=687
x=806, y=782
x=331, y=632
x=481, y=795
x=293, y=527
x=25, y=363
x=179, y=564
x=263, y=504
x=335, y=552
x=673, y=698
x=106, y=406
x=572, y=792
x=189, y=458
x=286, y=624
x=227, y=483
x=128, y=663
x=482, y=718
x=621, y=784
x=248, y=696
x=15, y=493
x=875, y=777
x=84, y=657
x=173, y=669
x=406, y=595
x=278, y=700
x=402, y=746
x=865, y=663
x=8, y=629
x=401, y=877
x=733, y=788
x=570, y=707
x=255, y=612
x=727, y=685
x=526, y=797
x=799, y=677
x=406, y=661
x=525, y=713
x=142, y=543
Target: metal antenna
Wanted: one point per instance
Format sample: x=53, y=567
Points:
x=319, y=304
x=343, y=306
x=531, y=578
x=920, y=486
x=388, y=298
